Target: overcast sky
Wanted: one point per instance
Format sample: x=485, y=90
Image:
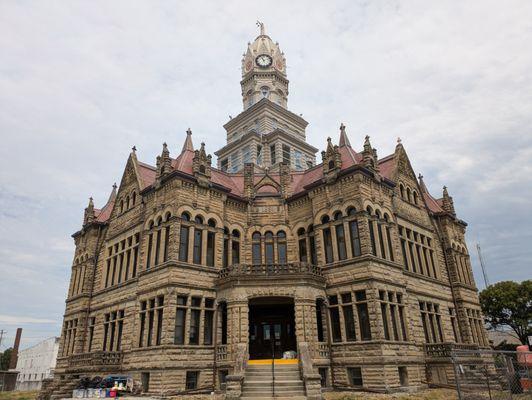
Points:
x=82, y=82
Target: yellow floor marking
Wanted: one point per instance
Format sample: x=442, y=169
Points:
x=276, y=362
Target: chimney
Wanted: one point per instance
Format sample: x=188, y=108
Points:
x=14, y=354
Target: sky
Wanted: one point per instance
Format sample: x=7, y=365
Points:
x=82, y=82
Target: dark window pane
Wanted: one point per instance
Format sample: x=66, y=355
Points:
x=235, y=252
x=210, y=249
x=335, y=324
x=349, y=322
x=363, y=320
x=340, y=241
x=179, y=335
x=372, y=237
x=207, y=327
x=194, y=327
x=198, y=235
x=355, y=238
x=355, y=376
x=327, y=242
x=183, y=244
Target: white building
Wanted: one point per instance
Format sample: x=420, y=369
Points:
x=36, y=363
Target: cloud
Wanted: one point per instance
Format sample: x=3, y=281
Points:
x=17, y=320
x=82, y=82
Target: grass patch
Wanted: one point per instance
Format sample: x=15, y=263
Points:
x=429, y=394
x=19, y=395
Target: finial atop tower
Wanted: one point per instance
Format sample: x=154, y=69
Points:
x=261, y=26
x=344, y=140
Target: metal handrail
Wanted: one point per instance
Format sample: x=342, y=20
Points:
x=273, y=362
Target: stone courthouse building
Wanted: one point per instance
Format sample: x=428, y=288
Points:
x=191, y=269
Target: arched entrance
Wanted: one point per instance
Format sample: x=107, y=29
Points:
x=271, y=327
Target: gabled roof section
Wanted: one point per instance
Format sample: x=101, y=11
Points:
x=103, y=214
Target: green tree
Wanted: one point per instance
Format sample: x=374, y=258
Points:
x=4, y=359
x=509, y=304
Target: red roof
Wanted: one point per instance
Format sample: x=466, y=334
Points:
x=234, y=183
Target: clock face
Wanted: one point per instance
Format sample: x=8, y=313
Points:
x=263, y=60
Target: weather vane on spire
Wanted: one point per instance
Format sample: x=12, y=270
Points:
x=261, y=26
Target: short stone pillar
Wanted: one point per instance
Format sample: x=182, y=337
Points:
x=311, y=379
x=234, y=381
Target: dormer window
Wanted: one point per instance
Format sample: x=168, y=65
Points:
x=265, y=91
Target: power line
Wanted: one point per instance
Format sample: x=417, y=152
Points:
x=484, y=273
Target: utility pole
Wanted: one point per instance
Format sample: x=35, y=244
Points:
x=484, y=273
x=1, y=336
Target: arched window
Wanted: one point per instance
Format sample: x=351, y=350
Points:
x=225, y=251
x=121, y=206
x=198, y=240
x=371, y=231
x=281, y=247
x=402, y=190
x=302, y=244
x=312, y=245
x=184, y=237
x=157, y=241
x=150, y=245
x=327, y=240
x=340, y=236
x=388, y=237
x=408, y=195
x=331, y=164
x=379, y=232
x=415, y=197
x=211, y=235
x=133, y=198
x=268, y=248
x=127, y=203
x=167, y=217
x=235, y=247
x=354, y=234
x=256, y=252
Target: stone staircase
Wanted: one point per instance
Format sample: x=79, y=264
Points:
x=258, y=383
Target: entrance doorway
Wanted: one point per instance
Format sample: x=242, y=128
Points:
x=271, y=327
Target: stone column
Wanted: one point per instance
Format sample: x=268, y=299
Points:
x=237, y=323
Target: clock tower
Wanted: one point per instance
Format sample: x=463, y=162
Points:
x=265, y=133
x=264, y=72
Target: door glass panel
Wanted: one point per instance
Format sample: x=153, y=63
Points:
x=266, y=332
x=277, y=329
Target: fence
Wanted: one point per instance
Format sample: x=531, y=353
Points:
x=493, y=375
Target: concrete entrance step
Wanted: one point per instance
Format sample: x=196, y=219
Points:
x=273, y=398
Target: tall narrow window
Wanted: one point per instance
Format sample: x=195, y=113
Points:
x=372, y=237
x=355, y=238
x=319, y=320
x=312, y=245
x=349, y=318
x=235, y=247
x=150, y=247
x=340, y=236
x=198, y=240
x=335, y=319
x=363, y=314
x=211, y=244
x=302, y=244
x=120, y=330
x=273, y=156
x=166, y=242
x=183, y=238
x=181, y=313
x=256, y=249
x=286, y=154
x=208, y=322
x=388, y=238
x=225, y=252
x=159, y=312
x=142, y=323
x=281, y=247
x=92, y=323
x=195, y=315
x=268, y=248
x=158, y=242
x=384, y=312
